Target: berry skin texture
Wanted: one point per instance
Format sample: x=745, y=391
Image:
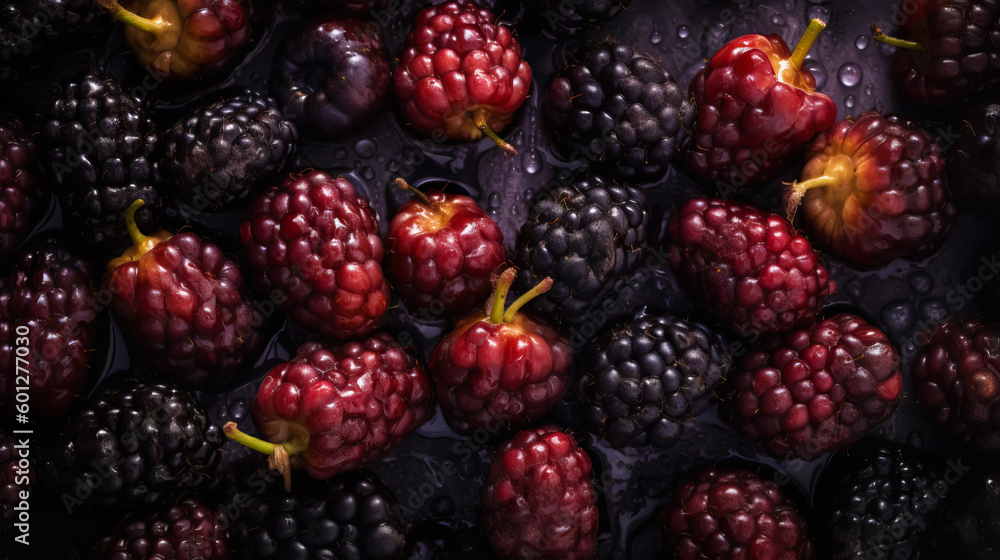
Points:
x=21, y=197
x=812, y=390
x=95, y=187
x=620, y=109
x=47, y=305
x=957, y=374
x=188, y=530
x=444, y=253
x=343, y=406
x=181, y=302
x=459, y=67
x=137, y=445
x=588, y=236
x=878, y=499
x=353, y=515
x=16, y=476
x=538, y=501
x=747, y=267
x=332, y=76
x=723, y=514
x=222, y=152
x=756, y=113
x=645, y=378
x=874, y=191
x=315, y=247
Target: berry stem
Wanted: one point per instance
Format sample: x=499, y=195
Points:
x=878, y=35
x=479, y=117
x=154, y=26
x=500, y=296
x=401, y=183
x=816, y=26
x=141, y=242
x=542, y=287
x=278, y=454
x=795, y=192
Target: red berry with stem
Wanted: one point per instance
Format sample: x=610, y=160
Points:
x=444, y=250
x=461, y=75
x=182, y=303
x=500, y=368
x=873, y=190
x=334, y=408
x=184, y=39
x=757, y=107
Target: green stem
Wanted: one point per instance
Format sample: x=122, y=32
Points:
x=542, y=287
x=812, y=32
x=796, y=190
x=500, y=296
x=889, y=40
x=267, y=448
x=138, y=238
x=130, y=18
x=401, y=183
x=480, y=119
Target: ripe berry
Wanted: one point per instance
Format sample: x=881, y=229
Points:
x=21, y=196
x=182, y=531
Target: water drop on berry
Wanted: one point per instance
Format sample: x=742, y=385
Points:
x=532, y=162
x=365, y=148
x=862, y=42
x=921, y=282
x=683, y=32
x=850, y=74
x=849, y=102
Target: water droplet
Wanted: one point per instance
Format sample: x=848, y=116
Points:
x=368, y=173
x=683, y=32
x=817, y=70
x=862, y=42
x=849, y=102
x=818, y=12
x=778, y=19
x=850, y=74
x=340, y=153
x=494, y=200
x=789, y=5
x=869, y=89
x=899, y=315
x=878, y=105
x=656, y=38
x=532, y=162
x=933, y=310
x=921, y=282
x=365, y=147
x=393, y=166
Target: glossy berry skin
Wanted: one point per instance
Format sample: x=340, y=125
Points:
x=21, y=195
x=973, y=162
x=457, y=60
x=538, y=501
x=968, y=523
x=878, y=499
x=643, y=380
x=443, y=254
x=957, y=374
x=747, y=267
x=962, y=55
x=890, y=198
x=499, y=375
x=572, y=18
x=349, y=404
x=47, y=305
x=332, y=76
x=187, y=530
x=183, y=306
x=16, y=476
x=731, y=513
x=315, y=247
x=353, y=515
x=754, y=118
x=205, y=36
x=815, y=389
x=618, y=108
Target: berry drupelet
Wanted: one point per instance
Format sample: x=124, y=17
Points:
x=224, y=151
x=315, y=247
x=443, y=251
x=97, y=146
x=138, y=444
x=588, y=236
x=331, y=409
x=620, y=109
x=757, y=108
x=538, y=501
x=353, y=515
x=815, y=389
x=500, y=368
x=21, y=195
x=957, y=374
x=182, y=304
x=460, y=75
x=948, y=49
x=644, y=379
x=732, y=513
x=751, y=269
x=877, y=500
x=186, y=530
x=332, y=76
x=873, y=190
x=48, y=306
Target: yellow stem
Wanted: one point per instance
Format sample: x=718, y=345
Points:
x=812, y=32
x=480, y=119
x=890, y=40
x=500, y=296
x=542, y=287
